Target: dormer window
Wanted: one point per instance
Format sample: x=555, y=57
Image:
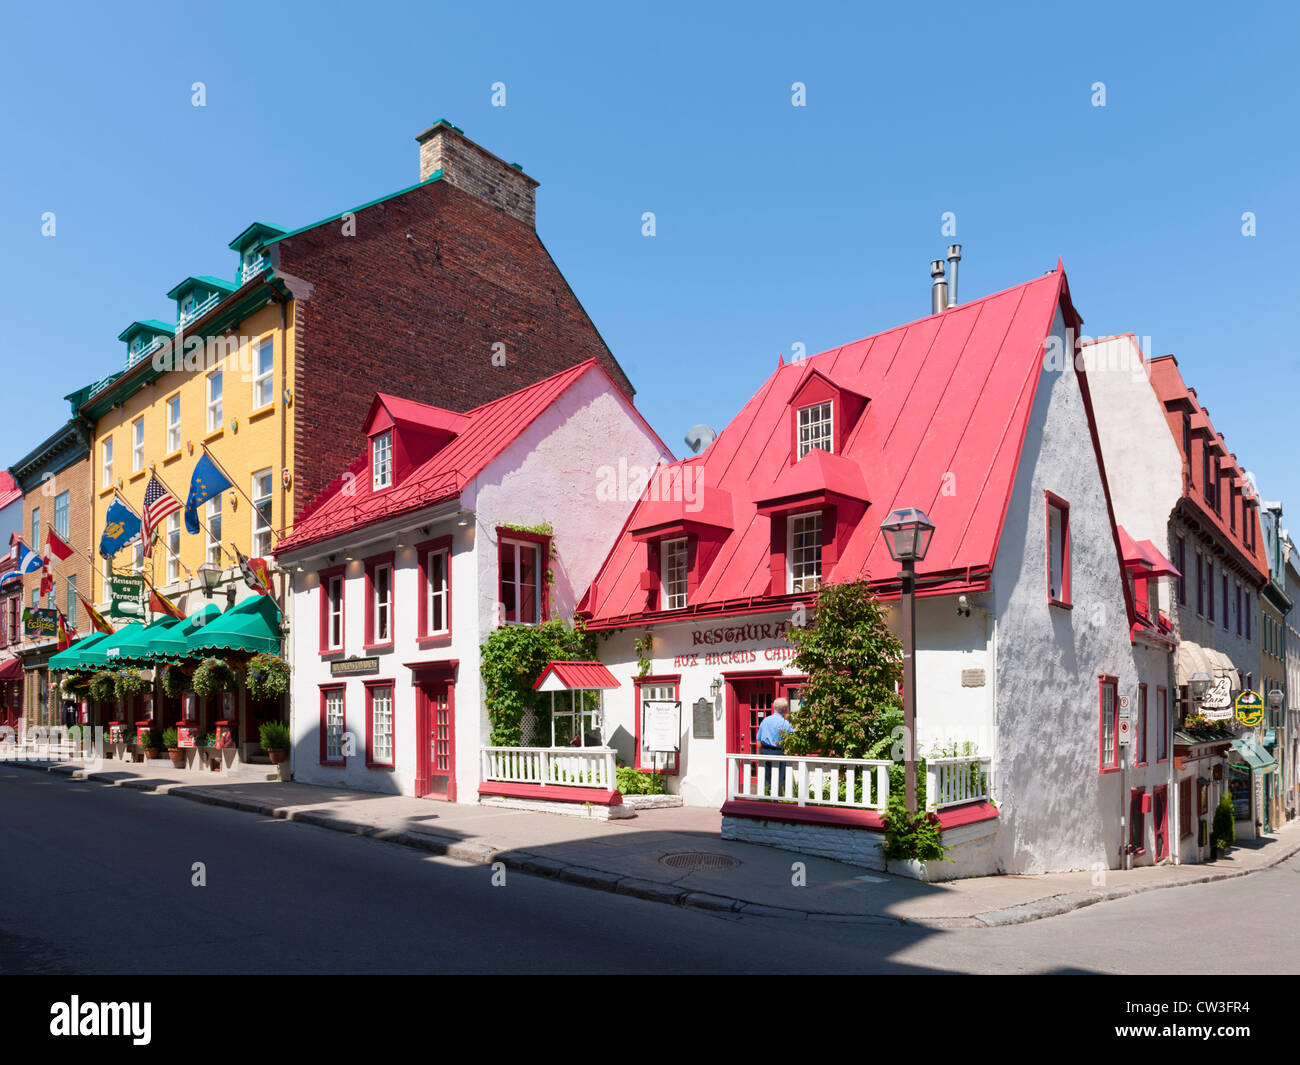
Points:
x=381, y=460
x=816, y=428
x=804, y=550
x=187, y=308
x=673, y=573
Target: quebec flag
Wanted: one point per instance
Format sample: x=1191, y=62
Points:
x=120, y=528
x=28, y=560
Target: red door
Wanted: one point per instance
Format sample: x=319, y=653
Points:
x=1160, y=817
x=435, y=721
x=753, y=703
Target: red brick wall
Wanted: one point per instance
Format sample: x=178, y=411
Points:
x=412, y=304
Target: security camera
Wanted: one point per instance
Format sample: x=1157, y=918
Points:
x=963, y=607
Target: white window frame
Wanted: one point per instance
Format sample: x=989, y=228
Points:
x=334, y=612
x=673, y=571
x=816, y=427
x=438, y=595
x=381, y=460
x=212, y=514
x=262, y=541
x=264, y=380
x=174, y=546
x=173, y=405
x=215, y=392
x=519, y=547
x=804, y=581
x=381, y=754
x=137, y=444
x=335, y=726
x=106, y=461
x=381, y=633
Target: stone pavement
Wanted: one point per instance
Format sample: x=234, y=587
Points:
x=702, y=870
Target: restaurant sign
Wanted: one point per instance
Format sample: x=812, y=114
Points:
x=348, y=667
x=126, y=596
x=1249, y=706
x=42, y=624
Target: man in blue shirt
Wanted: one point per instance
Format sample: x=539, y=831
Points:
x=771, y=731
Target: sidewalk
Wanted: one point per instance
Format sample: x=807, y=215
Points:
x=707, y=872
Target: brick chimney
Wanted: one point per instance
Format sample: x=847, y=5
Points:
x=477, y=171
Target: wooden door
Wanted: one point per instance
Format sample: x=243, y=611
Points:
x=435, y=759
x=753, y=703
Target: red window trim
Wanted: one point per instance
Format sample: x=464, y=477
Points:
x=670, y=761
x=1103, y=681
x=1052, y=500
x=370, y=685
x=373, y=563
x=1186, y=815
x=424, y=638
x=326, y=689
x=1162, y=714
x=324, y=577
x=1140, y=739
x=504, y=532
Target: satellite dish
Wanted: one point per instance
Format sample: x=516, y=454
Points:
x=698, y=437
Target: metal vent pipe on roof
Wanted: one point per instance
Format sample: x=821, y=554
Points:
x=938, y=288
x=954, y=257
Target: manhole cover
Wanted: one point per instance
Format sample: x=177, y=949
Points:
x=700, y=860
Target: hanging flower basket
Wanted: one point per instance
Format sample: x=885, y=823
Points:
x=76, y=685
x=175, y=682
x=128, y=682
x=101, y=686
x=213, y=676
x=267, y=676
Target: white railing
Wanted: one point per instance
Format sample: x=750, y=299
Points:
x=573, y=767
x=953, y=781
x=252, y=269
x=201, y=309
x=144, y=352
x=848, y=783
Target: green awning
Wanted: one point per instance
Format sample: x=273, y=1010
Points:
x=71, y=657
x=252, y=626
x=138, y=647
x=1259, y=760
x=173, y=643
x=104, y=654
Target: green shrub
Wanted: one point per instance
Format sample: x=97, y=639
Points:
x=1225, y=830
x=634, y=782
x=513, y=657
x=918, y=836
x=169, y=737
x=274, y=735
x=150, y=739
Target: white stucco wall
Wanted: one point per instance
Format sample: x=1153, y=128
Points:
x=551, y=473
x=1057, y=811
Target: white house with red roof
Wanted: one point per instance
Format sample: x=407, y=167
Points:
x=446, y=526
x=979, y=416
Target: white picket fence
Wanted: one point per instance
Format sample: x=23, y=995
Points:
x=851, y=783
x=574, y=767
x=953, y=781
x=848, y=783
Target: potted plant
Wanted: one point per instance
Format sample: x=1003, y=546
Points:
x=211, y=753
x=129, y=682
x=101, y=686
x=212, y=677
x=274, y=736
x=169, y=741
x=1224, y=832
x=151, y=743
x=267, y=677
x=175, y=682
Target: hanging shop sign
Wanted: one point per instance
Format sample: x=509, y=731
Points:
x=42, y=624
x=126, y=596
x=1249, y=707
x=1216, y=704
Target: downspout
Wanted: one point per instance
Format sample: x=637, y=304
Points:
x=285, y=577
x=1172, y=796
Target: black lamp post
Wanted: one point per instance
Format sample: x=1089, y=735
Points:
x=907, y=535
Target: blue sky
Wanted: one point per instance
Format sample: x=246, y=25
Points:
x=776, y=224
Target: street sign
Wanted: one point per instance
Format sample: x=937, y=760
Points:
x=1125, y=731
x=1249, y=707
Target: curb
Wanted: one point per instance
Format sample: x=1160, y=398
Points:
x=650, y=890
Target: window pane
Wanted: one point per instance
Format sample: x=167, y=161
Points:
x=334, y=726
x=528, y=583
x=437, y=608
x=815, y=428
x=61, y=514
x=805, y=552
x=673, y=577
x=381, y=724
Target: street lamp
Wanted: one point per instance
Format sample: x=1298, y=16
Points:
x=907, y=534
x=210, y=573
x=1198, y=684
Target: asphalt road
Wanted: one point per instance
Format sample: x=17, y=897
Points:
x=97, y=879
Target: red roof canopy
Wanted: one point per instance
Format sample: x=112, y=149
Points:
x=950, y=399
x=575, y=676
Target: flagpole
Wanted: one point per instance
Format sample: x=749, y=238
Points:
x=153, y=472
x=166, y=545
x=235, y=484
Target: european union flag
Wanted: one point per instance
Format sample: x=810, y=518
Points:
x=120, y=528
x=207, y=482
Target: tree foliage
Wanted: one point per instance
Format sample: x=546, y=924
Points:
x=513, y=657
x=850, y=706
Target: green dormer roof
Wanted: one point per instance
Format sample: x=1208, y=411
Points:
x=204, y=281
x=146, y=325
x=254, y=234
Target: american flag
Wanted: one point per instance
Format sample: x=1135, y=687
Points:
x=158, y=503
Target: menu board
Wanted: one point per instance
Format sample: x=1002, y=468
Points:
x=187, y=735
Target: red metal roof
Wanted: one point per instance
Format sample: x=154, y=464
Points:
x=9, y=490
x=578, y=675
x=487, y=431
x=949, y=399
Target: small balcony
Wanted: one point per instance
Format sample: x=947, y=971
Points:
x=253, y=268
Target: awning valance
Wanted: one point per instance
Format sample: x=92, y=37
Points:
x=252, y=626
x=1259, y=760
x=75, y=656
x=104, y=655
x=174, y=643
x=12, y=668
x=139, y=646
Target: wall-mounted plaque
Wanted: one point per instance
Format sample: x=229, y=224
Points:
x=702, y=719
x=349, y=667
x=972, y=678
